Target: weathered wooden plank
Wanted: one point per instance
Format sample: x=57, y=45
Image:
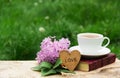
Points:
x=22, y=69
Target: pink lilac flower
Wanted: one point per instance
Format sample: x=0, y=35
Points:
x=46, y=42
x=65, y=43
x=50, y=49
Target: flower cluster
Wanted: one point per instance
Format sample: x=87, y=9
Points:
x=50, y=49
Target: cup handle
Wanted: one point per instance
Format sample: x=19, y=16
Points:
x=108, y=41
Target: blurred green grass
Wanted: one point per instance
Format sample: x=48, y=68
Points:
x=21, y=22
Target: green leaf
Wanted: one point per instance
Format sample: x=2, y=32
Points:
x=42, y=65
x=64, y=70
x=58, y=62
x=36, y=68
x=46, y=72
x=46, y=65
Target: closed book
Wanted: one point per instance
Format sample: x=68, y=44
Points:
x=92, y=64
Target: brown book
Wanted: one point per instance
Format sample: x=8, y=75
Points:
x=92, y=64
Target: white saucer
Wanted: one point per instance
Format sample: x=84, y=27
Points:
x=102, y=52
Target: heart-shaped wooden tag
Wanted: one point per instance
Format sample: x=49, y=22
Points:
x=70, y=59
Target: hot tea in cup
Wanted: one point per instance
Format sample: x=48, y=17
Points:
x=91, y=42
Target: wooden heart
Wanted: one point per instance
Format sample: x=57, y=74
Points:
x=70, y=59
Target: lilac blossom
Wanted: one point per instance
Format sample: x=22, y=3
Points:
x=50, y=49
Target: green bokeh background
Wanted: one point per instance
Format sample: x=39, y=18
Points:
x=25, y=23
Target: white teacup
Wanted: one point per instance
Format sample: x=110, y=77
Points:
x=91, y=42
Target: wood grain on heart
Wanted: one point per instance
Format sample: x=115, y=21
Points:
x=70, y=59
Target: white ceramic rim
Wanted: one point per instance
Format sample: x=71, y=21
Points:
x=101, y=53
x=80, y=35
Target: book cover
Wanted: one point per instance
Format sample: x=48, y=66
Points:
x=92, y=64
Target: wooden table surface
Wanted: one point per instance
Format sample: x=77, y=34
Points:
x=22, y=69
